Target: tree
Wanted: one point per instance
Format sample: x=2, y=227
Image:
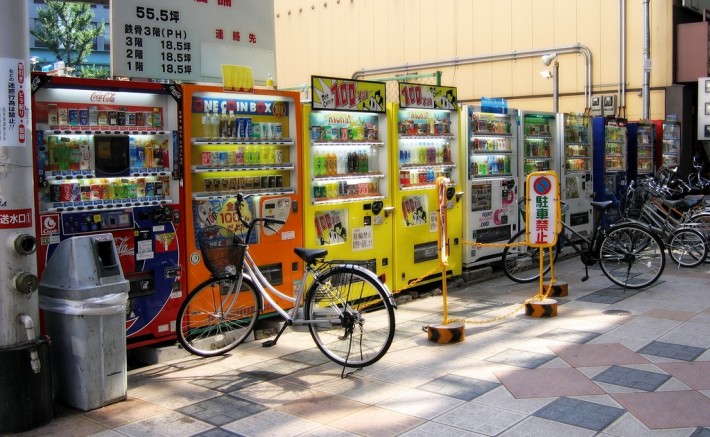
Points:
x=67, y=31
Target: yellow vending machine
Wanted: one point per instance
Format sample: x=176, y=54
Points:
x=425, y=145
x=346, y=180
x=247, y=143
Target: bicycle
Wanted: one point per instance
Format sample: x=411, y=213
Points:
x=671, y=220
x=347, y=309
x=629, y=254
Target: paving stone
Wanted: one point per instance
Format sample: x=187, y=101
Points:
x=632, y=378
x=580, y=413
x=672, y=350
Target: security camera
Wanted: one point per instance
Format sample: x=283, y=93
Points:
x=548, y=58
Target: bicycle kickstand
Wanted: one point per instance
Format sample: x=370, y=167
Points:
x=272, y=342
x=586, y=273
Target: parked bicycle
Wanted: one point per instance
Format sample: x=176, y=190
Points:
x=348, y=310
x=672, y=221
x=629, y=254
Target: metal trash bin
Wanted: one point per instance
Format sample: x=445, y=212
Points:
x=83, y=294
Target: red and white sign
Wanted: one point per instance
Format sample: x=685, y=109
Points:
x=14, y=115
x=49, y=224
x=16, y=218
x=542, y=209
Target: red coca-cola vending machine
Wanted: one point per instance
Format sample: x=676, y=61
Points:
x=107, y=161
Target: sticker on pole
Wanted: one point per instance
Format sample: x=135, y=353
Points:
x=542, y=209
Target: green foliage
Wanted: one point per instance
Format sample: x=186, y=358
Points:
x=67, y=31
x=95, y=72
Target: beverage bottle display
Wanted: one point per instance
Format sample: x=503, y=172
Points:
x=224, y=130
x=240, y=156
x=232, y=125
x=52, y=154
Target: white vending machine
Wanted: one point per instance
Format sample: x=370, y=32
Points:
x=576, y=177
x=491, y=182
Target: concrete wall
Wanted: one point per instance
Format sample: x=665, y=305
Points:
x=339, y=37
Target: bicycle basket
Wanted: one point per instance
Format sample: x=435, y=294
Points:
x=222, y=251
x=521, y=208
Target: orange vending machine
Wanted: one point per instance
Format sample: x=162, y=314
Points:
x=246, y=143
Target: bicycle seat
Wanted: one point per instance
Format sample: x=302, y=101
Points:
x=601, y=206
x=684, y=203
x=310, y=255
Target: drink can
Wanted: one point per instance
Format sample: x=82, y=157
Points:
x=140, y=118
x=344, y=133
x=232, y=184
x=242, y=183
x=55, y=192
x=241, y=127
x=278, y=156
x=278, y=131
x=279, y=181
x=73, y=117
x=121, y=118
x=75, y=188
x=96, y=192
x=272, y=181
x=130, y=118
x=85, y=192
x=149, y=189
x=266, y=133
x=249, y=182
x=63, y=116
x=52, y=115
x=112, y=118
x=206, y=158
x=84, y=117
x=159, y=188
x=223, y=158
x=225, y=183
x=248, y=128
x=264, y=182
x=256, y=130
x=316, y=132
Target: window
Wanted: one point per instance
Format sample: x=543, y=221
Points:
x=107, y=37
x=36, y=42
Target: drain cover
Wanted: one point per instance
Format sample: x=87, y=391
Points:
x=617, y=312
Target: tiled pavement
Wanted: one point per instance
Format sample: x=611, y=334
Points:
x=611, y=363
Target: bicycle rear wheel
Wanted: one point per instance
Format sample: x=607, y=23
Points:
x=631, y=256
x=522, y=263
x=352, y=316
x=687, y=247
x=216, y=317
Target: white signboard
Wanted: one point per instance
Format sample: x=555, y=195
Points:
x=189, y=40
x=542, y=209
x=14, y=102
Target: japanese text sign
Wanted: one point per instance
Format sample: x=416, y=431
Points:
x=542, y=209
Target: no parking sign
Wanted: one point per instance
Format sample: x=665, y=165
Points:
x=542, y=209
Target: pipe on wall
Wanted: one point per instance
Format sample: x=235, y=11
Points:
x=646, y=87
x=507, y=56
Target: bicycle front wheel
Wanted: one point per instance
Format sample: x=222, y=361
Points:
x=687, y=247
x=351, y=316
x=522, y=263
x=216, y=317
x=631, y=256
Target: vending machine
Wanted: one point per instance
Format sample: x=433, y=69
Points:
x=641, y=138
x=424, y=130
x=107, y=156
x=248, y=143
x=348, y=207
x=539, y=150
x=490, y=171
x=610, y=151
x=670, y=142
x=577, y=171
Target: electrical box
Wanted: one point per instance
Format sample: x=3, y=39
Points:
x=609, y=105
x=596, y=109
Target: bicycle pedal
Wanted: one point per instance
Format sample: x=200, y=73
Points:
x=585, y=278
x=268, y=343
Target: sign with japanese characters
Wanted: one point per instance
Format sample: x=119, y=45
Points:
x=416, y=95
x=189, y=40
x=542, y=209
x=14, y=98
x=348, y=95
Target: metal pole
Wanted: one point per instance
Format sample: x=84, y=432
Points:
x=555, y=86
x=18, y=265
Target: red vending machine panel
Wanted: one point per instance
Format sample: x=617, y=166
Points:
x=105, y=159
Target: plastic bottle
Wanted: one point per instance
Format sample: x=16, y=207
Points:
x=224, y=130
x=206, y=120
x=342, y=162
x=85, y=160
x=214, y=125
x=74, y=155
x=240, y=156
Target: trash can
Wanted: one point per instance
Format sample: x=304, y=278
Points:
x=83, y=294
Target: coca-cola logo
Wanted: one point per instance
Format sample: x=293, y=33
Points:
x=123, y=246
x=103, y=97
